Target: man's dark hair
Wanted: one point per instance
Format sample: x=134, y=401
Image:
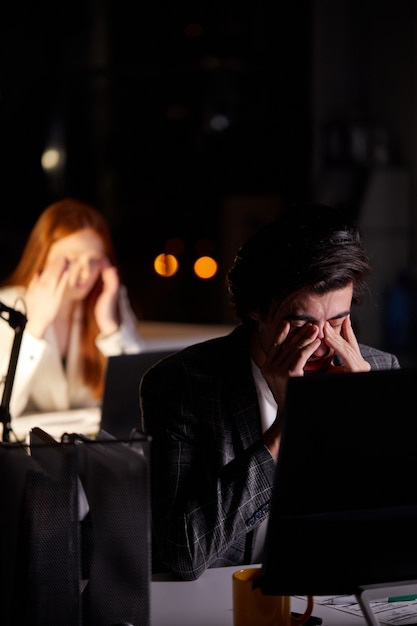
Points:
x=310, y=246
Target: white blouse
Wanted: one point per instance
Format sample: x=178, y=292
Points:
x=41, y=382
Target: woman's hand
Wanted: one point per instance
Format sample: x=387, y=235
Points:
x=105, y=310
x=44, y=296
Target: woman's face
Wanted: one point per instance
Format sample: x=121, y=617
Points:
x=84, y=253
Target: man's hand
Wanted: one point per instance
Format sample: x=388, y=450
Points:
x=287, y=357
x=345, y=345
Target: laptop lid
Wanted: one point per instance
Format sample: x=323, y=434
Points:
x=120, y=411
x=344, y=504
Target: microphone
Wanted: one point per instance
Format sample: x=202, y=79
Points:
x=16, y=319
x=4, y=307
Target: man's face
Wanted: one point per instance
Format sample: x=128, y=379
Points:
x=305, y=307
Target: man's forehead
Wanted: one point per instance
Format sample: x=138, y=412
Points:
x=305, y=301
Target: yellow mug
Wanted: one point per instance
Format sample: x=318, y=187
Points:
x=252, y=608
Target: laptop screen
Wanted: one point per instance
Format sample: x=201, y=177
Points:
x=120, y=411
x=344, y=505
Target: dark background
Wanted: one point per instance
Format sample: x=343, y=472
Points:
x=129, y=91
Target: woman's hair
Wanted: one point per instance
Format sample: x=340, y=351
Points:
x=59, y=220
x=310, y=246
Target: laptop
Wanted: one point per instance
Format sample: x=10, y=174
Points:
x=344, y=504
x=120, y=410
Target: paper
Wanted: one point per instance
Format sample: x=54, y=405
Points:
x=389, y=613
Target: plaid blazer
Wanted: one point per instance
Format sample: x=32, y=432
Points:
x=211, y=475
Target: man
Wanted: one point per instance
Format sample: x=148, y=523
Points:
x=213, y=409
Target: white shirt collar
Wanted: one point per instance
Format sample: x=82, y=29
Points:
x=267, y=404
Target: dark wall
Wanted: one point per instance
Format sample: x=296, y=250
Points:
x=129, y=92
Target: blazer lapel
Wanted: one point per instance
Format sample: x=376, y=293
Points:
x=244, y=403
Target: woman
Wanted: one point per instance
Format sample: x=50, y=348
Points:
x=67, y=284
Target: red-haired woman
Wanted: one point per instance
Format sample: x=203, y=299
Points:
x=78, y=313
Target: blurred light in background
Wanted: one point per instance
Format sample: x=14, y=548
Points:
x=205, y=267
x=166, y=265
x=52, y=159
x=219, y=122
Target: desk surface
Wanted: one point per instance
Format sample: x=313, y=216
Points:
x=156, y=336
x=167, y=335
x=85, y=421
x=208, y=602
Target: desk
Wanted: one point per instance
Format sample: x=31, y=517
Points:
x=172, y=335
x=84, y=421
x=156, y=336
x=208, y=602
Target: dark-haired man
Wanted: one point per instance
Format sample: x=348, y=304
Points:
x=213, y=410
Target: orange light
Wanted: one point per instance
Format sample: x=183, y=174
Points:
x=205, y=267
x=165, y=265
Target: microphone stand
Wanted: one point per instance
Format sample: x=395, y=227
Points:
x=17, y=321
